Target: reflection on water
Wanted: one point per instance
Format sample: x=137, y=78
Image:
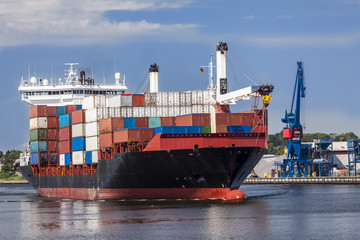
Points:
x=269, y=212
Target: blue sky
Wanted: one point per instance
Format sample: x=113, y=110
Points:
x=270, y=36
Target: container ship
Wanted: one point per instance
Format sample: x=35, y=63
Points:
x=90, y=141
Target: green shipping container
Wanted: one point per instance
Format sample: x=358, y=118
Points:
x=154, y=122
x=206, y=129
x=38, y=135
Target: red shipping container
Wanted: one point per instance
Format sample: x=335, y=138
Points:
x=235, y=119
x=221, y=128
x=168, y=121
x=193, y=120
x=127, y=135
x=38, y=111
x=53, y=134
x=65, y=147
x=247, y=119
x=53, y=122
x=106, y=140
x=222, y=119
x=109, y=125
x=52, y=146
x=70, y=109
x=147, y=134
x=51, y=111
x=78, y=116
x=138, y=100
x=65, y=134
x=142, y=122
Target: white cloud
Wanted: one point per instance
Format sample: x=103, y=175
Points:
x=78, y=21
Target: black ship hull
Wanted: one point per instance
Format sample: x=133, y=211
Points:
x=177, y=174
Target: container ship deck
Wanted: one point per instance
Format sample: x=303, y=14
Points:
x=97, y=144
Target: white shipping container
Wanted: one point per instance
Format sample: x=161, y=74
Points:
x=100, y=101
x=92, y=129
x=174, y=111
x=174, y=99
x=184, y=110
x=139, y=112
x=94, y=157
x=151, y=111
x=126, y=112
x=114, y=112
x=38, y=122
x=207, y=108
x=91, y=115
x=197, y=108
x=150, y=99
x=78, y=157
x=114, y=101
x=62, y=159
x=92, y=143
x=163, y=111
x=126, y=100
x=88, y=102
x=207, y=97
x=103, y=113
x=185, y=98
x=162, y=99
x=78, y=130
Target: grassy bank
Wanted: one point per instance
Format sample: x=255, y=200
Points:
x=12, y=178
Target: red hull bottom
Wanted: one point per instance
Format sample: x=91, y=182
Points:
x=141, y=193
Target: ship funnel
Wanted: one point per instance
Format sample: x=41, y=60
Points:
x=154, y=77
x=221, y=78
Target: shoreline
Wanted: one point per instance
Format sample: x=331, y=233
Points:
x=14, y=182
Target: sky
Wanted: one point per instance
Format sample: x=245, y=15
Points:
x=266, y=37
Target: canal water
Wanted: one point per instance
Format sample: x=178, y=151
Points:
x=269, y=212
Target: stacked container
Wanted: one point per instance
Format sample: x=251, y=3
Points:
x=65, y=137
x=78, y=137
x=92, y=134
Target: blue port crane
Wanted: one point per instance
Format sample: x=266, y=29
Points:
x=297, y=161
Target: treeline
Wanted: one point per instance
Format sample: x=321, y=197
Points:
x=7, y=160
x=277, y=143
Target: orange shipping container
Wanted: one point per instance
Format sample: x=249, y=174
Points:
x=106, y=140
x=235, y=119
x=70, y=109
x=193, y=120
x=78, y=117
x=142, y=122
x=127, y=135
x=147, y=134
x=53, y=122
x=168, y=121
x=53, y=134
x=247, y=118
x=65, y=134
x=222, y=119
x=52, y=146
x=65, y=147
x=38, y=111
x=221, y=129
x=51, y=111
x=109, y=125
x=138, y=100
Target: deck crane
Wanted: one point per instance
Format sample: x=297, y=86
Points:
x=297, y=154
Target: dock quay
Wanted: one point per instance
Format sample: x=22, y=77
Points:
x=304, y=180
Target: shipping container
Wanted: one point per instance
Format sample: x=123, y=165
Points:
x=92, y=143
x=130, y=122
x=193, y=120
x=78, y=107
x=95, y=114
x=91, y=157
x=168, y=121
x=34, y=158
x=38, y=122
x=65, y=121
x=126, y=100
x=206, y=129
x=65, y=159
x=162, y=111
x=141, y=122
x=185, y=110
x=78, y=130
x=247, y=118
x=197, y=97
x=126, y=111
x=114, y=112
x=174, y=99
x=52, y=134
x=114, y=101
x=197, y=109
x=162, y=99
x=78, y=117
x=150, y=99
x=127, y=135
x=38, y=146
x=166, y=130
x=237, y=129
x=92, y=129
x=53, y=122
x=38, y=135
x=106, y=140
x=235, y=119
x=139, y=112
x=174, y=111
x=70, y=109
x=65, y=134
x=146, y=134
x=154, y=122
x=38, y=111
x=221, y=129
x=78, y=144
x=151, y=111
x=61, y=111
x=51, y=111
x=138, y=100
x=178, y=130
x=52, y=146
x=185, y=98
x=53, y=158
x=94, y=101
x=78, y=157
x=222, y=119
x=65, y=146
x=108, y=125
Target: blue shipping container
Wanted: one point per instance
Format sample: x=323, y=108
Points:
x=178, y=130
x=78, y=144
x=78, y=107
x=53, y=158
x=154, y=122
x=194, y=129
x=238, y=129
x=61, y=111
x=38, y=146
x=130, y=122
x=34, y=158
x=67, y=159
x=65, y=120
x=88, y=157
